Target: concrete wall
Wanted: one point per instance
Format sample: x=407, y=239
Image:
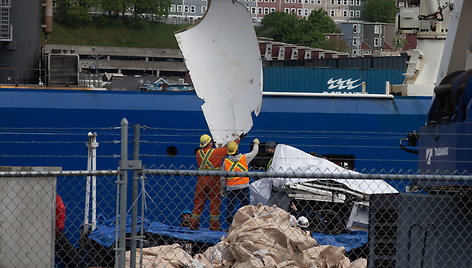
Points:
x=27, y=219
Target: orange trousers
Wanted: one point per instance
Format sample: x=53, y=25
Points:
x=207, y=188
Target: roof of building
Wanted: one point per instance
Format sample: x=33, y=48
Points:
x=365, y=46
x=386, y=46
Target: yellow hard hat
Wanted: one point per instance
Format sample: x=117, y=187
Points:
x=232, y=147
x=204, y=140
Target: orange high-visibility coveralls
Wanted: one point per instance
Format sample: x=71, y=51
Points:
x=208, y=187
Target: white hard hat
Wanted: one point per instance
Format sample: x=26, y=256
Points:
x=303, y=222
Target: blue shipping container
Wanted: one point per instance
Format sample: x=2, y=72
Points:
x=328, y=80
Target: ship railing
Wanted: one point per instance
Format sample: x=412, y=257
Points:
x=43, y=77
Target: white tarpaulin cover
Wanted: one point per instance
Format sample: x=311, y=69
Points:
x=288, y=158
x=222, y=54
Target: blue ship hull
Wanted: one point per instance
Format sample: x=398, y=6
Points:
x=44, y=127
x=35, y=121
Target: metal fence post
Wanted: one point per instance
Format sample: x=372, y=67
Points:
x=134, y=197
x=123, y=191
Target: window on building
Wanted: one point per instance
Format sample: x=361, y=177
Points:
x=319, y=2
x=293, y=11
x=351, y=13
x=340, y=2
x=376, y=42
x=376, y=29
x=179, y=8
x=294, y=1
x=266, y=10
x=299, y=11
x=306, y=1
x=287, y=10
x=358, y=2
x=355, y=42
x=332, y=13
x=354, y=52
x=352, y=2
x=401, y=4
x=345, y=2
x=272, y=9
x=253, y=10
x=204, y=9
x=192, y=9
x=287, y=1
x=305, y=11
x=259, y=10
x=186, y=8
x=358, y=13
x=355, y=28
x=345, y=12
x=333, y=2
x=172, y=8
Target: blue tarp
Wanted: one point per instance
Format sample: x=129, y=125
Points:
x=105, y=234
x=105, y=231
x=202, y=235
x=349, y=241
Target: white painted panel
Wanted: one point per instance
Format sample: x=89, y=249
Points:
x=222, y=55
x=290, y=159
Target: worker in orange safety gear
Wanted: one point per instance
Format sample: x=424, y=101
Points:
x=237, y=188
x=208, y=187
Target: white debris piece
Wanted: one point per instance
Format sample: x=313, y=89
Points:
x=289, y=159
x=222, y=54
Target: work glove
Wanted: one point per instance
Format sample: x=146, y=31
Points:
x=223, y=193
x=256, y=141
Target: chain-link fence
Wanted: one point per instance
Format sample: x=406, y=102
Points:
x=307, y=218
x=290, y=209
x=48, y=215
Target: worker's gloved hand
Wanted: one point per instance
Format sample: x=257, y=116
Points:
x=223, y=193
x=256, y=141
x=242, y=136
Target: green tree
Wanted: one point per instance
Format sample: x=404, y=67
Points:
x=319, y=20
x=114, y=7
x=399, y=42
x=154, y=7
x=75, y=12
x=279, y=26
x=380, y=11
x=288, y=28
x=315, y=26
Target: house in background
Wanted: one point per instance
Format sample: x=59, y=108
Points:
x=368, y=38
x=187, y=11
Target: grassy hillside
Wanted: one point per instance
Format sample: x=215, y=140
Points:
x=116, y=32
